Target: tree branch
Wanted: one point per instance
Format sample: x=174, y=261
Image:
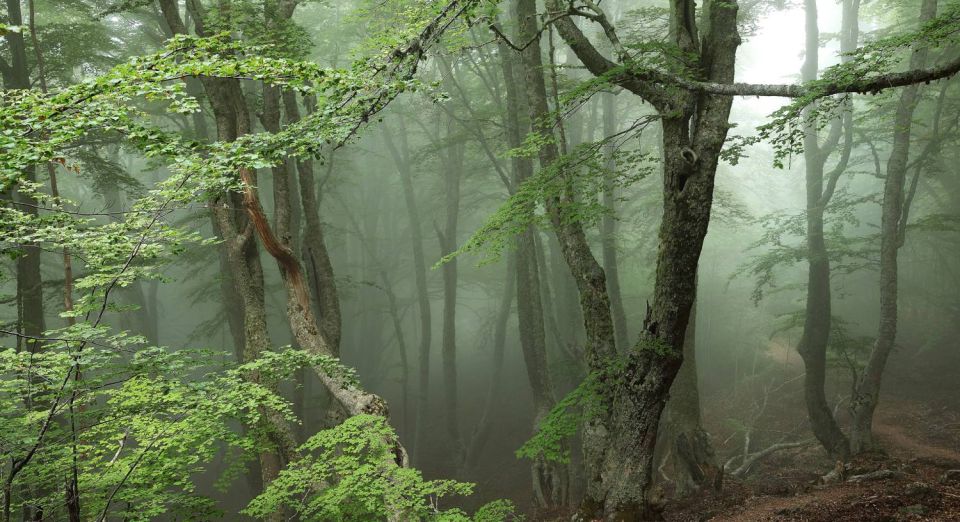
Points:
x=872, y=84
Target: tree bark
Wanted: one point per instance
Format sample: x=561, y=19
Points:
x=891, y=239
x=586, y=271
x=550, y=479
x=232, y=120
x=451, y=162
x=685, y=445
x=694, y=129
x=315, y=253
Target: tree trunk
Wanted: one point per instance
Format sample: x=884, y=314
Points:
x=694, y=129
x=891, y=239
x=31, y=323
x=586, y=271
x=684, y=445
x=451, y=165
x=401, y=158
x=550, y=480
x=817, y=317
x=241, y=254
x=29, y=296
x=315, y=253
x=608, y=227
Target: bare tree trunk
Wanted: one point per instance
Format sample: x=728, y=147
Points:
x=315, y=254
x=694, y=129
x=401, y=159
x=550, y=480
x=452, y=165
x=608, y=227
x=892, y=228
x=817, y=317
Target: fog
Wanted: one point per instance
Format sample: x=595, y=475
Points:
x=604, y=262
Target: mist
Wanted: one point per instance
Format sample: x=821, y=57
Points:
x=493, y=261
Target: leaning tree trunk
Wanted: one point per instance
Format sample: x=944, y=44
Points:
x=315, y=254
x=891, y=239
x=589, y=276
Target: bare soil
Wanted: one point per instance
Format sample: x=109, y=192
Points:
x=917, y=428
x=921, y=445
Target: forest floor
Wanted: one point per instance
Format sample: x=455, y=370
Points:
x=916, y=473
x=917, y=426
x=921, y=444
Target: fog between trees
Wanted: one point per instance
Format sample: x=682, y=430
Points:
x=280, y=259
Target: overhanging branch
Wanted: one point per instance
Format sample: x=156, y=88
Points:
x=866, y=85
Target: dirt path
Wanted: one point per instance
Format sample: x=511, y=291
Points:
x=900, y=429
x=779, y=508
x=902, y=440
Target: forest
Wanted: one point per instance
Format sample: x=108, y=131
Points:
x=479, y=260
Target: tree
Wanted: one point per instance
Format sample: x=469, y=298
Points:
x=895, y=211
x=820, y=187
x=694, y=107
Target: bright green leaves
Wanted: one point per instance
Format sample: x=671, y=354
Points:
x=7, y=29
x=785, y=129
x=143, y=425
x=562, y=423
x=348, y=473
x=573, y=181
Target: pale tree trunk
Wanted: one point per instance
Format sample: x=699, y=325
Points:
x=401, y=158
x=892, y=229
x=586, y=271
x=819, y=190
